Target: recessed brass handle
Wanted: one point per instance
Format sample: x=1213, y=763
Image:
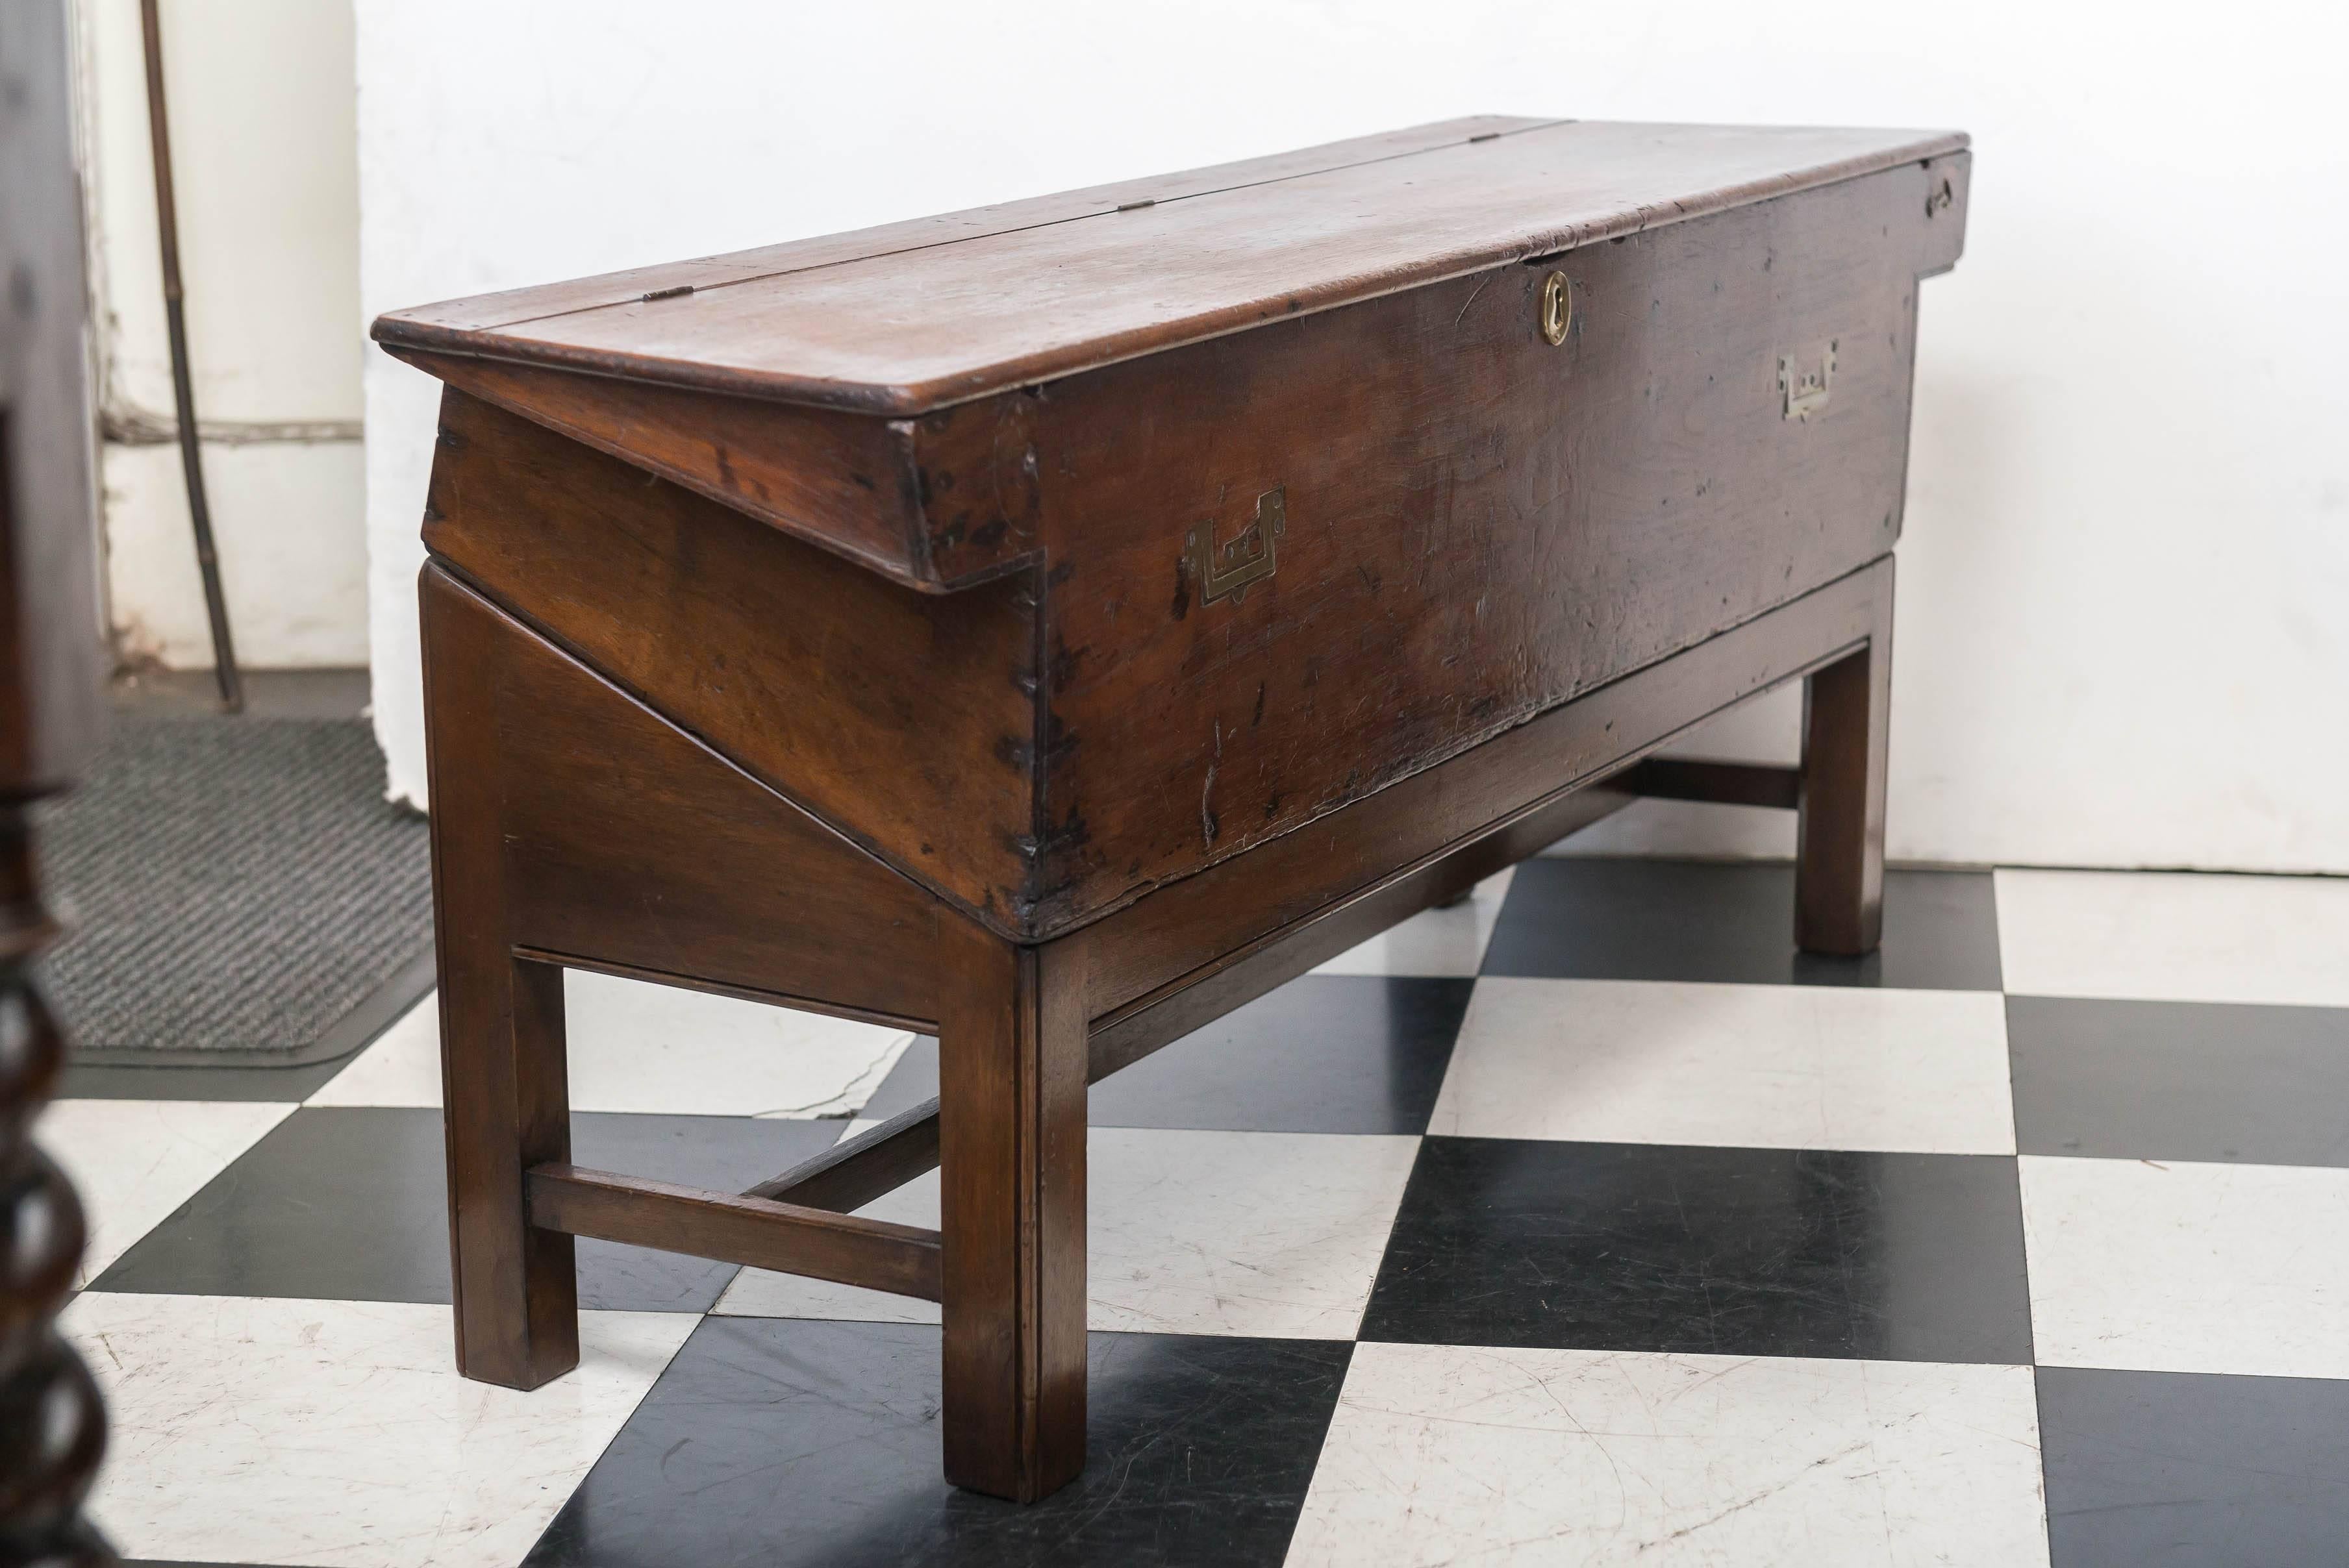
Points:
x=1805, y=384
x=1557, y=308
x=1251, y=557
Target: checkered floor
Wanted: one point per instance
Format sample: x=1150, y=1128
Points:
x=1584, y=1224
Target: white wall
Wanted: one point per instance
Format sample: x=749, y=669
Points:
x=2122, y=637
x=263, y=148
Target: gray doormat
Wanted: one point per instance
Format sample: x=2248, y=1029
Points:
x=237, y=892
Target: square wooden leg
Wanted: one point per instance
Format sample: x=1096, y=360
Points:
x=504, y=1088
x=1012, y=1131
x=1839, y=854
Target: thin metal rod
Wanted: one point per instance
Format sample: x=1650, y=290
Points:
x=183, y=392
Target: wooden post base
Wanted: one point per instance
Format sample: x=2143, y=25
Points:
x=1839, y=849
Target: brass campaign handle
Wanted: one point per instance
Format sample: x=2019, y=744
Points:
x=1251, y=557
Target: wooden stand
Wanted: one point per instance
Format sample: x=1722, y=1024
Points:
x=951, y=714
x=545, y=775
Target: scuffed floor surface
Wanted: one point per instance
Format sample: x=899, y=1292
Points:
x=1583, y=1223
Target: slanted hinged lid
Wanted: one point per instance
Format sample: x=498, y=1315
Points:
x=911, y=317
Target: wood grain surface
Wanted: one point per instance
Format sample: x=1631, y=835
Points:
x=903, y=720
x=1011, y=1144
x=512, y=307
x=891, y=323
x=1479, y=526
x=758, y=1233
x=504, y=1075
x=600, y=834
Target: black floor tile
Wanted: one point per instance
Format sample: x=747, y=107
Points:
x=349, y=1204
x=913, y=1078
x=777, y=1442
x=1326, y=1053
x=1574, y=918
x=2180, y=1080
x=1742, y=1251
x=2169, y=1470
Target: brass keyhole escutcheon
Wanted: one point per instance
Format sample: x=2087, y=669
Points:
x=1557, y=307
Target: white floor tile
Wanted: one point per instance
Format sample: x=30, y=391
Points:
x=1434, y=943
x=401, y=1067
x=1444, y=1455
x=657, y=1049
x=2181, y=1267
x=339, y=1432
x=136, y=1160
x=1758, y=1066
x=1273, y=1234
x=2174, y=936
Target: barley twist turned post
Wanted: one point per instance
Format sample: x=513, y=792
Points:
x=52, y=1425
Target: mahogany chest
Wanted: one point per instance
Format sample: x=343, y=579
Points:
x=1054, y=623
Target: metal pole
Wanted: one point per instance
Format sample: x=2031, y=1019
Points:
x=183, y=394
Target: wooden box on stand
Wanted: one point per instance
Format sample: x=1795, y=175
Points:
x=1057, y=623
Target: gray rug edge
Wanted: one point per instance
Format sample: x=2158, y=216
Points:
x=374, y=1013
